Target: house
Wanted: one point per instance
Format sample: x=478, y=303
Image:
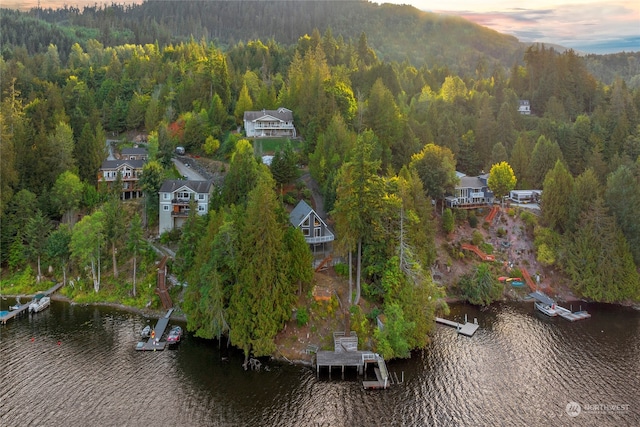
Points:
x=470, y=192
x=313, y=228
x=129, y=172
x=176, y=196
x=269, y=123
x=135, y=153
x=524, y=107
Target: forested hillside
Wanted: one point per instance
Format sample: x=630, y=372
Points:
x=396, y=33
x=381, y=138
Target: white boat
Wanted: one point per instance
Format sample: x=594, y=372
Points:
x=549, y=310
x=39, y=303
x=146, y=332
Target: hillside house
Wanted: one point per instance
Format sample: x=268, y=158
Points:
x=313, y=228
x=269, y=123
x=471, y=192
x=129, y=171
x=135, y=153
x=524, y=107
x=176, y=196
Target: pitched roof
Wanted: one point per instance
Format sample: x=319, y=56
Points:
x=281, y=113
x=299, y=213
x=116, y=164
x=470, y=182
x=133, y=151
x=171, y=185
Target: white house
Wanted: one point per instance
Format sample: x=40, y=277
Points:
x=176, y=196
x=269, y=123
x=524, y=107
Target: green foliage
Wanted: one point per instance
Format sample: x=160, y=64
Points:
x=477, y=237
x=598, y=258
x=480, y=288
x=302, y=316
x=436, y=167
x=342, y=269
x=501, y=179
x=473, y=220
x=447, y=221
x=21, y=282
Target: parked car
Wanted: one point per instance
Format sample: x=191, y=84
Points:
x=174, y=335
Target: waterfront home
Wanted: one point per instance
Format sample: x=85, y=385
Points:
x=269, y=123
x=176, y=198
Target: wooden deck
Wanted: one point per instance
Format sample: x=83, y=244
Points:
x=467, y=329
x=24, y=307
x=158, y=331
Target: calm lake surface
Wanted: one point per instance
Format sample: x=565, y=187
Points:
x=73, y=365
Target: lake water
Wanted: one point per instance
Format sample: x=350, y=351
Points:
x=73, y=365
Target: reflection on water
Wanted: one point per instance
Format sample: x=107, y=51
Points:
x=74, y=365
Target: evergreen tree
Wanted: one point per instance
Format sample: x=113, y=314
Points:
x=263, y=296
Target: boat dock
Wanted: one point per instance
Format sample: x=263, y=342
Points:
x=467, y=329
x=572, y=316
x=561, y=311
x=25, y=307
x=155, y=344
x=346, y=354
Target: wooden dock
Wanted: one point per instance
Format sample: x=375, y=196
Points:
x=155, y=344
x=467, y=329
x=347, y=355
x=25, y=307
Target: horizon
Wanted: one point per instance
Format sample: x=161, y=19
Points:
x=586, y=26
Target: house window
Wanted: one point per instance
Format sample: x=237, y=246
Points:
x=165, y=208
x=200, y=196
x=317, y=232
x=183, y=195
x=305, y=232
x=305, y=223
x=165, y=196
x=201, y=208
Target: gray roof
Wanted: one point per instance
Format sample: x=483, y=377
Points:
x=280, y=114
x=171, y=185
x=136, y=151
x=299, y=213
x=115, y=164
x=470, y=182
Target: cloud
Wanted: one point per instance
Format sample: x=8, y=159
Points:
x=597, y=27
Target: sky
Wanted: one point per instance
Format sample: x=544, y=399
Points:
x=587, y=26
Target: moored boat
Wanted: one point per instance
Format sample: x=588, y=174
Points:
x=174, y=335
x=39, y=303
x=549, y=310
x=146, y=332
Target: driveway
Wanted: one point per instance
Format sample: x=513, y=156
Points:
x=185, y=170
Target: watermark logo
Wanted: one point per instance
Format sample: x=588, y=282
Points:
x=573, y=409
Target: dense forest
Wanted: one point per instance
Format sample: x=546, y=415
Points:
x=381, y=138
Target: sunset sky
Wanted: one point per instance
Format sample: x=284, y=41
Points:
x=588, y=26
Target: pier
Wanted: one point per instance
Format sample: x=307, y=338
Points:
x=560, y=311
x=25, y=307
x=154, y=344
x=347, y=355
x=467, y=329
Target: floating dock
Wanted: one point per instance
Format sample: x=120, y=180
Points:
x=6, y=316
x=155, y=344
x=467, y=329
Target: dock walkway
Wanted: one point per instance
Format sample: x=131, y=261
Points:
x=347, y=355
x=155, y=344
x=24, y=307
x=467, y=328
